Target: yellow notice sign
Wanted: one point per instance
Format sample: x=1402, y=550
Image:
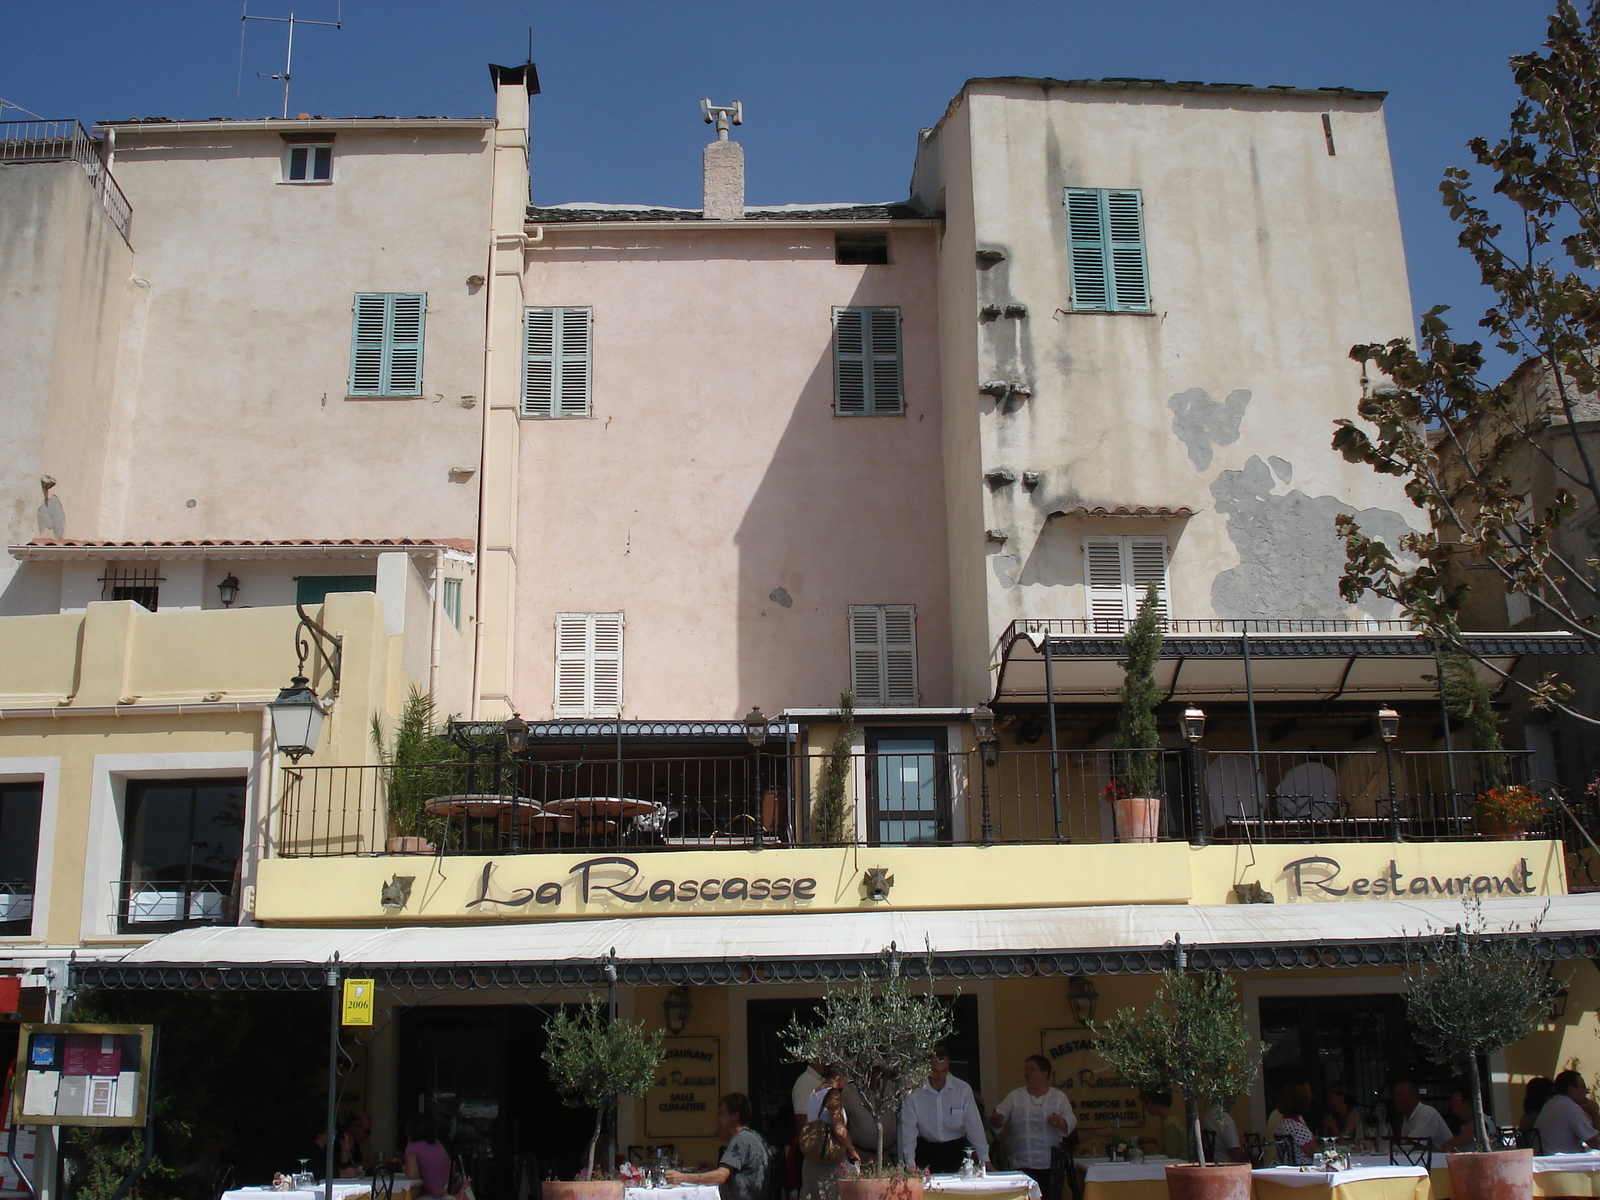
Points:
x=358, y=998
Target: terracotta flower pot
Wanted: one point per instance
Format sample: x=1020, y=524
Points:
x=583, y=1189
x=1498, y=1175
x=1502, y=833
x=879, y=1189
x=1220, y=1181
x=1138, y=818
x=408, y=845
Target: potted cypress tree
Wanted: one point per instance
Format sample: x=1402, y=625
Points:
x=414, y=775
x=882, y=1036
x=593, y=1063
x=1135, y=794
x=1192, y=1040
x=1474, y=994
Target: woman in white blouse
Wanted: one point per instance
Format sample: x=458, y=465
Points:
x=1034, y=1119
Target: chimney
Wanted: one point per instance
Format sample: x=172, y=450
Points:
x=724, y=164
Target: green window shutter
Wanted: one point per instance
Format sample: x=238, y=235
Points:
x=1105, y=231
x=849, y=362
x=556, y=362
x=367, y=341
x=867, y=375
x=314, y=589
x=883, y=328
x=386, y=344
x=452, y=601
x=867, y=654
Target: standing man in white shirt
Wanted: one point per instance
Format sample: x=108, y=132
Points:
x=1421, y=1122
x=1564, y=1128
x=1034, y=1118
x=940, y=1119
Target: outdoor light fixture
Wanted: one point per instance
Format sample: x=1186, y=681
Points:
x=1194, y=723
x=675, y=1010
x=1083, y=997
x=983, y=732
x=1388, y=724
x=755, y=727
x=516, y=733
x=1558, y=1005
x=297, y=717
x=229, y=590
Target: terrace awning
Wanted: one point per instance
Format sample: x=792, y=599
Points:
x=803, y=947
x=1205, y=661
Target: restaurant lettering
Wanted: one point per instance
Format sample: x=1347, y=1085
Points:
x=1319, y=878
x=618, y=878
x=682, y=1102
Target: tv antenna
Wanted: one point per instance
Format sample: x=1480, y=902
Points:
x=288, y=56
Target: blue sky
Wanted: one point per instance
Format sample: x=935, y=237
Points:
x=834, y=93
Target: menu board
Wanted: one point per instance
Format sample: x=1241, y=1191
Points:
x=1100, y=1098
x=683, y=1102
x=83, y=1074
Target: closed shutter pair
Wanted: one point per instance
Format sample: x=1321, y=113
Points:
x=1106, y=251
x=883, y=654
x=386, y=344
x=588, y=664
x=1118, y=572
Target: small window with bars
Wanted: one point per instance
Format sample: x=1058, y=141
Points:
x=883, y=654
x=557, y=353
x=1118, y=572
x=588, y=664
x=1105, y=229
x=867, y=377
x=142, y=585
x=386, y=344
x=308, y=164
x=452, y=601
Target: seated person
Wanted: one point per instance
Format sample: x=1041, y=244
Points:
x=1564, y=1127
x=1419, y=1122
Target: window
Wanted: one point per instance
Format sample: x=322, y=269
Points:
x=853, y=249
x=314, y=589
x=308, y=164
x=588, y=664
x=1117, y=572
x=142, y=585
x=866, y=362
x=19, y=854
x=1106, y=246
x=182, y=842
x=906, y=778
x=556, y=367
x=386, y=344
x=452, y=601
x=883, y=653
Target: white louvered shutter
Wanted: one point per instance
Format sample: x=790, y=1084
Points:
x=866, y=653
x=1103, y=580
x=849, y=362
x=366, y=345
x=572, y=665
x=900, y=654
x=1147, y=564
x=605, y=694
x=403, y=376
x=557, y=361
x=883, y=328
x=1130, y=284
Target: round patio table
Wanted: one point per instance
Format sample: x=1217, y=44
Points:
x=599, y=808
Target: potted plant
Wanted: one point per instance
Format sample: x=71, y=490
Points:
x=593, y=1062
x=413, y=776
x=1192, y=1040
x=831, y=814
x=882, y=1036
x=1474, y=994
x=1135, y=795
x=1506, y=812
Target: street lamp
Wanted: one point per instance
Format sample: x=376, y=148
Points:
x=1194, y=728
x=1388, y=730
x=1083, y=997
x=675, y=1010
x=516, y=730
x=297, y=717
x=228, y=589
x=988, y=756
x=755, y=732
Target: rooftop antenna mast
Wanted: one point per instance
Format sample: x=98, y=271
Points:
x=288, y=56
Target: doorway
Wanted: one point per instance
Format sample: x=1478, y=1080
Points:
x=908, y=783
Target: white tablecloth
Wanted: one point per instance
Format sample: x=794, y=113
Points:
x=994, y=1181
x=1153, y=1167
x=1295, y=1177
x=345, y=1189
x=682, y=1191
x=1567, y=1162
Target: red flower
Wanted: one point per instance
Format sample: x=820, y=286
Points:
x=1114, y=791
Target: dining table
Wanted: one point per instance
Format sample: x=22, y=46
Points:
x=1553, y=1175
x=343, y=1189
x=995, y=1185
x=674, y=1191
x=1107, y=1180
x=1364, y=1179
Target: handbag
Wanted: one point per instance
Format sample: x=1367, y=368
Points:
x=820, y=1144
x=460, y=1185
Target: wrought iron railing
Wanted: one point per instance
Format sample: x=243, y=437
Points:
x=16, y=907
x=64, y=141
x=1180, y=626
x=154, y=905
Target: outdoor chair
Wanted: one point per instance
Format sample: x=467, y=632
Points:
x=1287, y=1157
x=1255, y=1150
x=1527, y=1139
x=221, y=1181
x=1308, y=792
x=1413, y=1152
x=383, y=1183
x=1063, y=1171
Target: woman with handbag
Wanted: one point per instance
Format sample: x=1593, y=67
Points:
x=826, y=1145
x=425, y=1157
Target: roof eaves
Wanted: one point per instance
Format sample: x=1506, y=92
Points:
x=1181, y=85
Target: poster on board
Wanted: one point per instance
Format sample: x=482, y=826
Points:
x=1100, y=1099
x=683, y=1102
x=82, y=1074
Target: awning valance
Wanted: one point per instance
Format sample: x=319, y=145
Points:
x=801, y=947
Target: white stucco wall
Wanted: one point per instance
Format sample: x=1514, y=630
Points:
x=713, y=472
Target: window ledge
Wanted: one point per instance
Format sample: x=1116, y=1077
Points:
x=521, y=416
x=305, y=182
x=385, y=397
x=1101, y=312
x=869, y=416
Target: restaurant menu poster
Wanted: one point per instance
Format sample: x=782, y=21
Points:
x=1100, y=1098
x=683, y=1101
x=83, y=1074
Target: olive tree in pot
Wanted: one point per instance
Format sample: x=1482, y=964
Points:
x=1135, y=795
x=593, y=1063
x=1192, y=1040
x=882, y=1036
x=1473, y=994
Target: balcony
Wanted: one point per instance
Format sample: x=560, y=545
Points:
x=1025, y=798
x=66, y=141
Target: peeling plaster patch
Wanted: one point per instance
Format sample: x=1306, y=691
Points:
x=1201, y=423
x=51, y=519
x=781, y=596
x=1007, y=568
x=1282, y=468
x=1290, y=558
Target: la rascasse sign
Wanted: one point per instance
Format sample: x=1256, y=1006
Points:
x=614, y=878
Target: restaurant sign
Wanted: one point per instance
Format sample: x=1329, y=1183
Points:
x=683, y=1100
x=612, y=877
x=1101, y=1099
x=1319, y=877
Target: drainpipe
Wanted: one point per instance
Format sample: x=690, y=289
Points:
x=436, y=583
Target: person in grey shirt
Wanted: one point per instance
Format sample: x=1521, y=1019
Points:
x=745, y=1166
x=1564, y=1128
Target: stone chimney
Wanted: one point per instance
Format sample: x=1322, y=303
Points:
x=724, y=165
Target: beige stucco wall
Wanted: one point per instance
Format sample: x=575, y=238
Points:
x=63, y=271
x=713, y=471
x=235, y=364
x=1268, y=258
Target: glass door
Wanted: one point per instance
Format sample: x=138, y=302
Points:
x=908, y=785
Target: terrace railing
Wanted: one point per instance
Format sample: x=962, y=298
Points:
x=67, y=141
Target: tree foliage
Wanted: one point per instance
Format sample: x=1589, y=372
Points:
x=881, y=1035
x=831, y=815
x=1137, y=735
x=1467, y=448
x=1191, y=1040
x=594, y=1061
x=413, y=776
